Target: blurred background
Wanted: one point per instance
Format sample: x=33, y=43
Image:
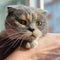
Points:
x=52, y=6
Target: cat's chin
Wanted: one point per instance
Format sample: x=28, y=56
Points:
x=33, y=38
x=32, y=44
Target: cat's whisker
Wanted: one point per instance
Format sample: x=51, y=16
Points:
x=4, y=44
x=11, y=40
x=25, y=36
x=9, y=36
x=17, y=41
x=7, y=41
x=22, y=40
x=13, y=44
x=21, y=43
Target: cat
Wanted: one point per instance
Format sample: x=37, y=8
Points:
x=23, y=27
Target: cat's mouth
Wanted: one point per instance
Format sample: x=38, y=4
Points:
x=32, y=38
x=33, y=35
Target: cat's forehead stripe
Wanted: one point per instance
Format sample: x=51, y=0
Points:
x=30, y=17
x=35, y=15
x=23, y=17
x=26, y=17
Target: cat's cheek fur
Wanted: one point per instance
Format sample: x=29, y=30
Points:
x=37, y=33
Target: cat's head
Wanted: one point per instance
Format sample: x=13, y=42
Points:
x=26, y=21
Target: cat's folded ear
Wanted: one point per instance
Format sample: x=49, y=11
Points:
x=10, y=10
x=44, y=12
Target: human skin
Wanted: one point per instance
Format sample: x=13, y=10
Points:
x=48, y=49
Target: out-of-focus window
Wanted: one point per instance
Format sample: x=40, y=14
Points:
x=53, y=7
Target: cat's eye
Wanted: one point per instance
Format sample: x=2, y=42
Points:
x=38, y=23
x=23, y=22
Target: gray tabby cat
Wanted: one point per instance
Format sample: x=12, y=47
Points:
x=24, y=27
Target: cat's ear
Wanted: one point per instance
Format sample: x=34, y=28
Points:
x=10, y=10
x=44, y=12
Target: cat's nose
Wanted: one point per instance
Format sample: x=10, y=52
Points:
x=31, y=29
